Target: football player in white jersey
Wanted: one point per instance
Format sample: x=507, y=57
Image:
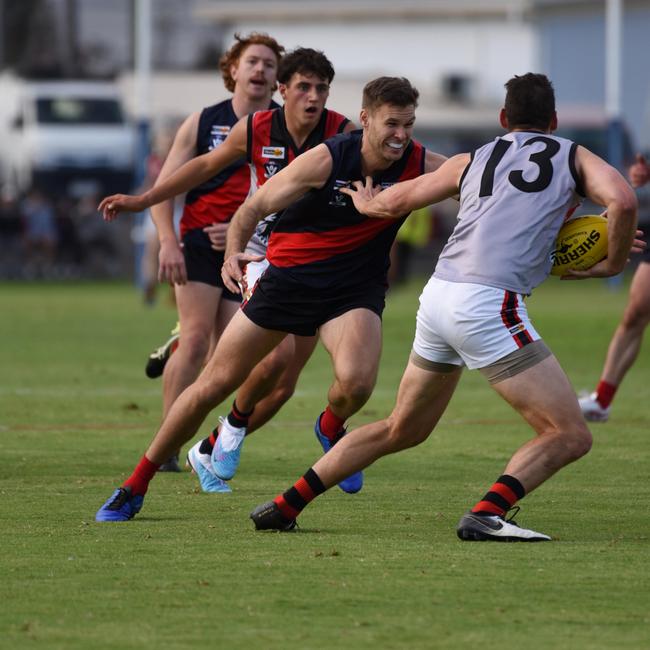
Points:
x=515, y=193
x=626, y=343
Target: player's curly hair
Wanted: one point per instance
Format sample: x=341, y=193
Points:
x=232, y=56
x=389, y=90
x=304, y=60
x=530, y=101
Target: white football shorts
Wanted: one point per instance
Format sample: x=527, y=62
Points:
x=252, y=273
x=470, y=324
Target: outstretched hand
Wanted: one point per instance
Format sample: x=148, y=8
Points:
x=362, y=194
x=111, y=206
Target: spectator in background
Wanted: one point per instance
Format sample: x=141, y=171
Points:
x=70, y=250
x=10, y=218
x=100, y=250
x=40, y=235
x=11, y=231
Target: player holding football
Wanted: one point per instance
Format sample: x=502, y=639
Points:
x=515, y=193
x=626, y=343
x=327, y=273
x=192, y=265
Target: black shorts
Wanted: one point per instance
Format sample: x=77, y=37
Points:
x=203, y=263
x=284, y=303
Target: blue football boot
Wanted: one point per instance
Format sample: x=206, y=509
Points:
x=351, y=484
x=202, y=467
x=225, y=462
x=122, y=506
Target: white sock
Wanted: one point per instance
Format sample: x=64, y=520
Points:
x=230, y=436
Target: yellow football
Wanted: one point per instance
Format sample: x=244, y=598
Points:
x=581, y=243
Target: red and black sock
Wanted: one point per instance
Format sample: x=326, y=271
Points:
x=502, y=496
x=304, y=490
x=331, y=424
x=605, y=393
x=236, y=419
x=142, y=474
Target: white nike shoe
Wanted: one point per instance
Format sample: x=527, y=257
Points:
x=592, y=410
x=490, y=528
x=202, y=467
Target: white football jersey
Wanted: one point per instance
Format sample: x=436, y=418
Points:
x=515, y=194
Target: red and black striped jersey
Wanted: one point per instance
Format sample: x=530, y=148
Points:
x=324, y=237
x=271, y=148
x=217, y=199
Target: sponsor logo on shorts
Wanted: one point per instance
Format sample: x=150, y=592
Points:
x=338, y=200
x=273, y=152
x=218, y=134
x=515, y=329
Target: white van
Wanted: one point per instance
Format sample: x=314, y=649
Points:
x=65, y=136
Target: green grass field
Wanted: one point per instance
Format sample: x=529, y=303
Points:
x=381, y=569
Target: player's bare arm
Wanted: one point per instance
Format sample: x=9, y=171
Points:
x=192, y=173
x=171, y=262
x=308, y=171
x=605, y=186
x=410, y=195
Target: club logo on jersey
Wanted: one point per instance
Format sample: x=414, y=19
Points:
x=217, y=135
x=270, y=169
x=339, y=200
x=265, y=227
x=273, y=152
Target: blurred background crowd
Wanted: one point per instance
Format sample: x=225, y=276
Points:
x=91, y=92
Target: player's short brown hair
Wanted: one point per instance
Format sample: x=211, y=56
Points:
x=304, y=60
x=232, y=56
x=397, y=91
x=530, y=101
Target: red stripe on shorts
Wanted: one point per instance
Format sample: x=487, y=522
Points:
x=511, y=319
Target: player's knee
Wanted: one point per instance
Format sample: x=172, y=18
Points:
x=194, y=347
x=401, y=435
x=283, y=393
x=206, y=395
x=578, y=442
x=271, y=369
x=357, y=390
x=214, y=384
x=635, y=318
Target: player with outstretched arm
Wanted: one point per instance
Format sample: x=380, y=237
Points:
x=515, y=194
x=327, y=273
